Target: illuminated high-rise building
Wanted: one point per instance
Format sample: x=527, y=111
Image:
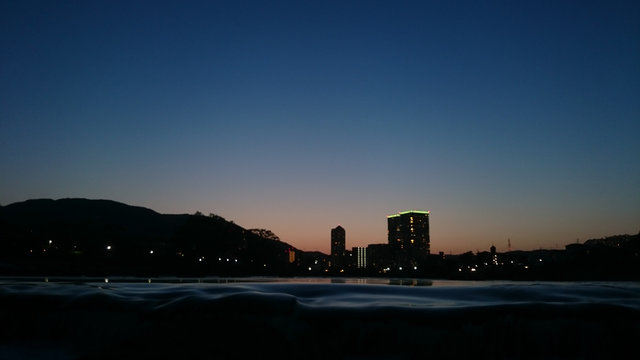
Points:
x=408, y=235
x=361, y=256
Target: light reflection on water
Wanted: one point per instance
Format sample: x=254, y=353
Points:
x=230, y=280
x=411, y=282
x=332, y=291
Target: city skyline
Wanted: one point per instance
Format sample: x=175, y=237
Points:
x=508, y=121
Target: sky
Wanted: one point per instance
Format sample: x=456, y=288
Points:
x=507, y=120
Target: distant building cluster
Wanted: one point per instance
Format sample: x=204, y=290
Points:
x=407, y=253
x=408, y=245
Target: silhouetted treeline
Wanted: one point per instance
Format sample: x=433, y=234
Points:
x=80, y=237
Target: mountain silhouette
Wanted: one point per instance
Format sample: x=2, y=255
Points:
x=77, y=236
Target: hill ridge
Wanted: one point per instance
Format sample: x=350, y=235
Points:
x=100, y=235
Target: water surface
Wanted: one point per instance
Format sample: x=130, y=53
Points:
x=320, y=318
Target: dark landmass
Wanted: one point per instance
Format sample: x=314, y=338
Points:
x=82, y=237
x=103, y=237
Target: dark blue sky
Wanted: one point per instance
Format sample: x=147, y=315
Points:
x=506, y=119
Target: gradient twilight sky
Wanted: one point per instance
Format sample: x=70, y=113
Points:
x=506, y=119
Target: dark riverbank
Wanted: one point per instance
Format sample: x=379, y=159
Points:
x=80, y=237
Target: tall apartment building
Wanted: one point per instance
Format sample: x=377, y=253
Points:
x=408, y=236
x=338, y=249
